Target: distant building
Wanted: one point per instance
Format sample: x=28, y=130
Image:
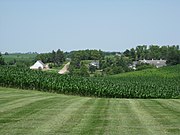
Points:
x=133, y=66
x=68, y=59
x=94, y=63
x=118, y=54
x=157, y=63
x=39, y=65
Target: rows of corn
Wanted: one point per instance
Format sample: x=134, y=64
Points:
x=145, y=84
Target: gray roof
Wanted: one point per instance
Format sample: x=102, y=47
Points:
x=135, y=62
x=157, y=63
x=41, y=63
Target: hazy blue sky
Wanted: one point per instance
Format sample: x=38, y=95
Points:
x=109, y=25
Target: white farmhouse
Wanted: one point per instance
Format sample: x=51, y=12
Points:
x=38, y=65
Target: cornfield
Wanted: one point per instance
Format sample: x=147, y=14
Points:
x=163, y=83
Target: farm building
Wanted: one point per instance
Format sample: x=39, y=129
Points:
x=133, y=66
x=38, y=65
x=94, y=63
x=157, y=63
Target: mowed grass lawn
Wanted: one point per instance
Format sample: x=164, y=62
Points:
x=39, y=113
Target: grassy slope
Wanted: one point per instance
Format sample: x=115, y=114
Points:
x=33, y=112
x=169, y=71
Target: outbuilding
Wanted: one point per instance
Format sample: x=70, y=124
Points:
x=38, y=65
x=157, y=63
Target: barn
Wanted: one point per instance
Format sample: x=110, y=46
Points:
x=38, y=65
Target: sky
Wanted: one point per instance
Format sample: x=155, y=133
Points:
x=109, y=25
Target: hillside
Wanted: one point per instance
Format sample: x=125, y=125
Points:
x=169, y=71
x=39, y=113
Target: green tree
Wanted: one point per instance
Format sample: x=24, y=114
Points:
x=173, y=56
x=54, y=57
x=142, y=66
x=133, y=54
x=2, y=62
x=59, y=57
x=6, y=53
x=92, y=68
x=164, y=52
x=84, y=70
x=140, y=51
x=117, y=69
x=154, y=51
x=127, y=53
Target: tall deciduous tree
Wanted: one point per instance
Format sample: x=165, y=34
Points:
x=59, y=57
x=169, y=53
x=2, y=62
x=173, y=56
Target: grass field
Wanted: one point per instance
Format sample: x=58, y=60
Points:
x=39, y=113
x=19, y=57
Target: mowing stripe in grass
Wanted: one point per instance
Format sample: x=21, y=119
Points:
x=166, y=118
x=147, y=120
x=122, y=119
x=20, y=103
x=59, y=117
x=48, y=114
x=75, y=118
x=176, y=100
x=19, y=113
x=94, y=119
x=27, y=116
x=171, y=105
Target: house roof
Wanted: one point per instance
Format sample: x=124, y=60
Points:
x=94, y=62
x=38, y=64
x=158, y=63
x=41, y=62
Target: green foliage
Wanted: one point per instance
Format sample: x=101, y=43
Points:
x=84, y=70
x=57, y=57
x=78, y=56
x=98, y=74
x=22, y=64
x=92, y=68
x=117, y=69
x=142, y=66
x=50, y=65
x=6, y=53
x=12, y=58
x=173, y=55
x=158, y=83
x=87, y=55
x=2, y=62
x=169, y=53
x=115, y=65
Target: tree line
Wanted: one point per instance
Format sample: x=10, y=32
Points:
x=55, y=57
x=2, y=62
x=169, y=53
x=109, y=62
x=77, y=67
